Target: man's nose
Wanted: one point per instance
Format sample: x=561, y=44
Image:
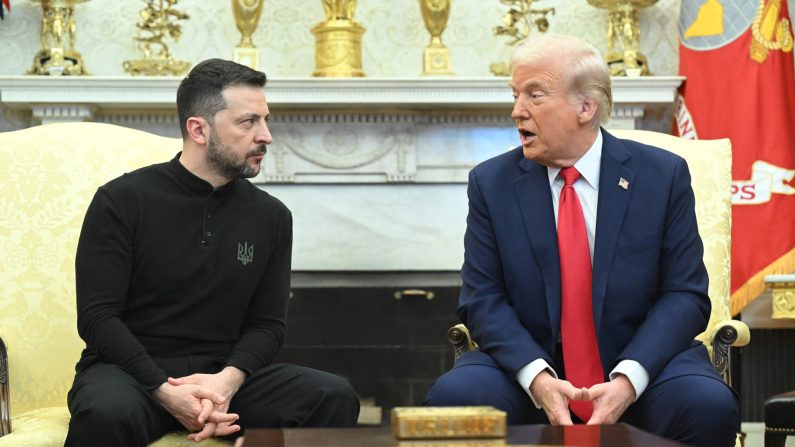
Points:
x=263, y=135
x=519, y=111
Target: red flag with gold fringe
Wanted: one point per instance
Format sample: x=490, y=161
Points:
x=738, y=60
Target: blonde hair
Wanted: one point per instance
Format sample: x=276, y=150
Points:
x=587, y=75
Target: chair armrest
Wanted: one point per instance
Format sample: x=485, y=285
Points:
x=462, y=342
x=5, y=413
x=725, y=334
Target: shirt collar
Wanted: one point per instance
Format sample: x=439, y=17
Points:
x=191, y=181
x=588, y=164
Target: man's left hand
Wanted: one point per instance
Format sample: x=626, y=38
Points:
x=610, y=400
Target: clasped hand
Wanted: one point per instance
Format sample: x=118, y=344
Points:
x=610, y=399
x=200, y=402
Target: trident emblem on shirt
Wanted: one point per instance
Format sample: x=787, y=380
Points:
x=245, y=254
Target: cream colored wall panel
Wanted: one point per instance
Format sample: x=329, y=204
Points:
x=391, y=46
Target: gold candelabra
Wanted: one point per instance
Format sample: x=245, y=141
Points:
x=158, y=21
x=338, y=41
x=58, y=55
x=623, y=27
x=518, y=22
x=247, y=14
x=436, y=56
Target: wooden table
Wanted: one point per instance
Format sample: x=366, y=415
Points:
x=579, y=435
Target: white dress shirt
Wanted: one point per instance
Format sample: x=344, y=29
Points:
x=587, y=188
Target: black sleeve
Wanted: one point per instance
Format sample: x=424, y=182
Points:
x=263, y=330
x=103, y=267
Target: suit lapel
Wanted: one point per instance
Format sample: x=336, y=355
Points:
x=613, y=200
x=535, y=202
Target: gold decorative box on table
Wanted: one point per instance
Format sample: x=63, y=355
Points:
x=448, y=422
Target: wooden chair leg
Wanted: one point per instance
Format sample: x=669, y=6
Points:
x=773, y=439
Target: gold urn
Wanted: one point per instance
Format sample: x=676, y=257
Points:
x=436, y=56
x=247, y=14
x=338, y=41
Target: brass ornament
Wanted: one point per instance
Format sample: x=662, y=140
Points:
x=623, y=27
x=518, y=22
x=58, y=55
x=247, y=14
x=765, y=27
x=338, y=41
x=158, y=21
x=436, y=56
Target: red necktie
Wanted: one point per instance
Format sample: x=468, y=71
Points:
x=578, y=335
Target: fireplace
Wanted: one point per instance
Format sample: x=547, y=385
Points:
x=385, y=332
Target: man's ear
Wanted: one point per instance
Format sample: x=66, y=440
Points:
x=198, y=129
x=586, y=111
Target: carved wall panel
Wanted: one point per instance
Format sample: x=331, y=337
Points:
x=348, y=148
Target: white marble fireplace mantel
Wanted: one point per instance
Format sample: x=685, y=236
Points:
x=374, y=170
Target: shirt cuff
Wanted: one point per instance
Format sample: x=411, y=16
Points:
x=635, y=372
x=528, y=373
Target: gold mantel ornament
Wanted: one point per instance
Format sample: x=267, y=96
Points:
x=436, y=56
x=622, y=26
x=58, y=55
x=247, y=13
x=157, y=22
x=518, y=22
x=338, y=41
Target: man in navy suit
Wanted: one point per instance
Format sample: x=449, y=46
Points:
x=648, y=298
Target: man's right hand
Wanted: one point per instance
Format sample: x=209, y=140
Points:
x=554, y=395
x=184, y=402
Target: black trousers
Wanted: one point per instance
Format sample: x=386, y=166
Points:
x=110, y=408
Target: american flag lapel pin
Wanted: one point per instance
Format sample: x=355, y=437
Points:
x=622, y=182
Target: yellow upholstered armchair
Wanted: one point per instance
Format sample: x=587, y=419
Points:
x=48, y=175
x=712, y=188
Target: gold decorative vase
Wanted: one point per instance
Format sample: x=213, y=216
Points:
x=58, y=55
x=436, y=56
x=158, y=21
x=338, y=41
x=247, y=14
x=623, y=27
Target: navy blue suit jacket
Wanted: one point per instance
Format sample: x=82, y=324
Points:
x=649, y=280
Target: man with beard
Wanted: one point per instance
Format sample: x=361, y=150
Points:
x=183, y=278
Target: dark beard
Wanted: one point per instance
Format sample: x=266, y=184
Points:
x=222, y=160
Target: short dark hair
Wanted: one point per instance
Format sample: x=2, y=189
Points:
x=201, y=92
